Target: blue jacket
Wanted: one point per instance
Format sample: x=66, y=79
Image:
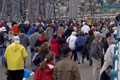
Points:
x=31, y=30
x=79, y=43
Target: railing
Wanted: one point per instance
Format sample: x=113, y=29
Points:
x=115, y=70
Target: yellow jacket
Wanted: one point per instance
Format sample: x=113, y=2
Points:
x=15, y=55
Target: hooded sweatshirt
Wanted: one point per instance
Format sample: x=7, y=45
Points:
x=55, y=47
x=15, y=55
x=24, y=40
x=45, y=74
x=40, y=41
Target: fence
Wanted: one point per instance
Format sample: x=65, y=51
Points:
x=115, y=71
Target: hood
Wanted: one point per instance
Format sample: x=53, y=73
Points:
x=53, y=41
x=42, y=38
x=15, y=46
x=50, y=67
x=21, y=35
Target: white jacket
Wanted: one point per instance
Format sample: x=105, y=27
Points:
x=71, y=41
x=108, y=58
x=85, y=29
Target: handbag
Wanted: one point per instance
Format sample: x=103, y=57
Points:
x=106, y=74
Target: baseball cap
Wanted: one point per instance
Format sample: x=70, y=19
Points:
x=16, y=39
x=98, y=34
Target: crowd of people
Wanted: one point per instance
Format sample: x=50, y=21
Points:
x=57, y=47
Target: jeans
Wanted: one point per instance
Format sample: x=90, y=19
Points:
x=2, y=51
x=78, y=56
x=90, y=58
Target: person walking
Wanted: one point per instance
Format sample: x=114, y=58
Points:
x=79, y=44
x=66, y=69
x=33, y=38
x=24, y=40
x=71, y=43
x=41, y=40
x=15, y=56
x=2, y=46
x=108, y=58
x=45, y=70
x=88, y=43
x=97, y=53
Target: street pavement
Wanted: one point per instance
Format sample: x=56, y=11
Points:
x=85, y=69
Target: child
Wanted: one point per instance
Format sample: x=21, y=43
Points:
x=45, y=71
x=37, y=49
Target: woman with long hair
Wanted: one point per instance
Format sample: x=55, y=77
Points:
x=44, y=50
x=45, y=70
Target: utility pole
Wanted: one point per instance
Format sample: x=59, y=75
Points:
x=54, y=9
x=6, y=10
x=16, y=10
x=29, y=9
x=44, y=9
x=91, y=9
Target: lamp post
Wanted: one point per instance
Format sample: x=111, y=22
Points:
x=16, y=10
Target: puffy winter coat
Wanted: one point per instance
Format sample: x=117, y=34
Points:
x=55, y=47
x=45, y=74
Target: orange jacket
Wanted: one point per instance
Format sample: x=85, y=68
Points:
x=15, y=29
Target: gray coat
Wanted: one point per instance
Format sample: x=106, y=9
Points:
x=24, y=40
x=33, y=38
x=96, y=50
x=49, y=33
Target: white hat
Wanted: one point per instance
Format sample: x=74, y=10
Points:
x=74, y=33
x=84, y=23
x=26, y=22
x=3, y=29
x=16, y=39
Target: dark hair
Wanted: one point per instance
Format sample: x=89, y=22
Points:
x=48, y=58
x=65, y=51
x=80, y=33
x=43, y=34
x=91, y=32
x=22, y=31
x=108, y=34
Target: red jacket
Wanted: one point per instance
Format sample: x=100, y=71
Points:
x=45, y=74
x=55, y=47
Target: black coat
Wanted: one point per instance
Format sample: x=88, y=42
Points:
x=1, y=38
x=89, y=40
x=40, y=41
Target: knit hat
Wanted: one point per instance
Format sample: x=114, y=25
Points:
x=74, y=33
x=3, y=29
x=16, y=39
